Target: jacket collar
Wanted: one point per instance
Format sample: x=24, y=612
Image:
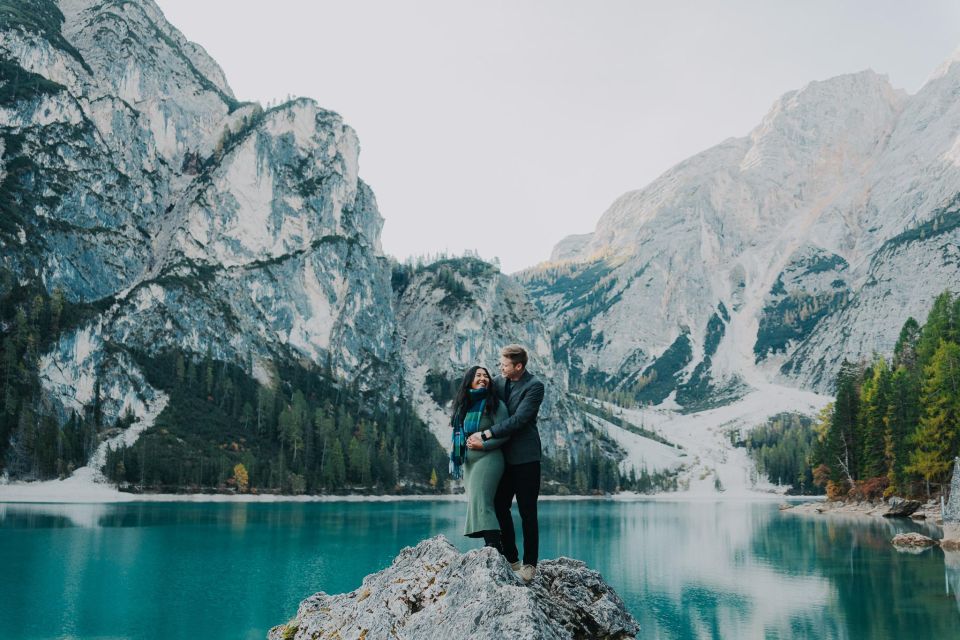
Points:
x=519, y=384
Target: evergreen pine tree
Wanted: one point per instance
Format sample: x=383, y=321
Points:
x=334, y=473
x=903, y=416
x=936, y=439
x=939, y=326
x=842, y=441
x=905, y=350
x=875, y=399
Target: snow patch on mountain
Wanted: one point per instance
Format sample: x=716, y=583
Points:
x=711, y=461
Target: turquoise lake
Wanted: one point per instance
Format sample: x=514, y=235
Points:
x=685, y=569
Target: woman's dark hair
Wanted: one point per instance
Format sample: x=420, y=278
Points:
x=461, y=401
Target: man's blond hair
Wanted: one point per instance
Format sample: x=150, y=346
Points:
x=516, y=353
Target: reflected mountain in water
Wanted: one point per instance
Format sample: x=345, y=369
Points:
x=686, y=570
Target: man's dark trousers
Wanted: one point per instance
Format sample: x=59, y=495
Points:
x=522, y=481
x=521, y=474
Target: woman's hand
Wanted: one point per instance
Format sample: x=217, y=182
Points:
x=475, y=442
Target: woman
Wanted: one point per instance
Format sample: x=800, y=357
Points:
x=476, y=408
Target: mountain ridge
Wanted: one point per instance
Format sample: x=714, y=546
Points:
x=735, y=224
x=182, y=228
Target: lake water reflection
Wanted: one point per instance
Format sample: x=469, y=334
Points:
x=684, y=569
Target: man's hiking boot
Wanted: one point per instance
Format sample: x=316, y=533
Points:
x=527, y=572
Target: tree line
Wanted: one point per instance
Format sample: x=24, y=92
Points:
x=221, y=430
x=894, y=426
x=33, y=443
x=782, y=450
x=593, y=471
x=308, y=434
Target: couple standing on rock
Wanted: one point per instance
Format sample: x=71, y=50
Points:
x=496, y=450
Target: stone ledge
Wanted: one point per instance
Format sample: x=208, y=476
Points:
x=433, y=591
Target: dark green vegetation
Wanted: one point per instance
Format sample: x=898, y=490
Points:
x=577, y=283
x=440, y=388
x=591, y=472
x=793, y=316
x=42, y=17
x=448, y=274
x=660, y=377
x=309, y=434
x=595, y=472
x=943, y=221
x=895, y=424
x=655, y=383
x=699, y=393
x=634, y=387
x=601, y=412
x=19, y=84
x=820, y=262
x=35, y=173
x=783, y=449
x=32, y=442
x=583, y=291
x=20, y=170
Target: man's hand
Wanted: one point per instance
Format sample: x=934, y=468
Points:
x=474, y=441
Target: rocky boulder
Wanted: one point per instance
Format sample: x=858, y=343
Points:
x=913, y=540
x=951, y=537
x=951, y=511
x=900, y=508
x=433, y=591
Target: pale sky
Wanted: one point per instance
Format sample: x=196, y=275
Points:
x=503, y=126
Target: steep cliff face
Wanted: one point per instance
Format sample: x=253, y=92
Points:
x=457, y=313
x=186, y=224
x=102, y=105
x=768, y=257
x=132, y=181
x=272, y=251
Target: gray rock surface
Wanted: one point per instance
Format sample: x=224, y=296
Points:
x=444, y=333
x=951, y=511
x=912, y=539
x=433, y=591
x=770, y=257
x=900, y=508
x=200, y=223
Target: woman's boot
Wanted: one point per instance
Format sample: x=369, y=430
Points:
x=492, y=539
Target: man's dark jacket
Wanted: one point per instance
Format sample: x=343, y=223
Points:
x=526, y=396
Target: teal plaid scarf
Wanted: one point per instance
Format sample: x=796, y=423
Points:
x=462, y=428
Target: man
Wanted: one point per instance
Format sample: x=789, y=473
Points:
x=523, y=394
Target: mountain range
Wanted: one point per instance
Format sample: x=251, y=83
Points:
x=169, y=217
x=769, y=258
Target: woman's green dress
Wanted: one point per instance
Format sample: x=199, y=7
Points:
x=481, y=475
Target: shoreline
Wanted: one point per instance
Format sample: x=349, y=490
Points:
x=930, y=511
x=75, y=491
x=949, y=531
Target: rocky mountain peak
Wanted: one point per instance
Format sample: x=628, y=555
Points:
x=741, y=258
x=946, y=69
x=135, y=56
x=825, y=127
